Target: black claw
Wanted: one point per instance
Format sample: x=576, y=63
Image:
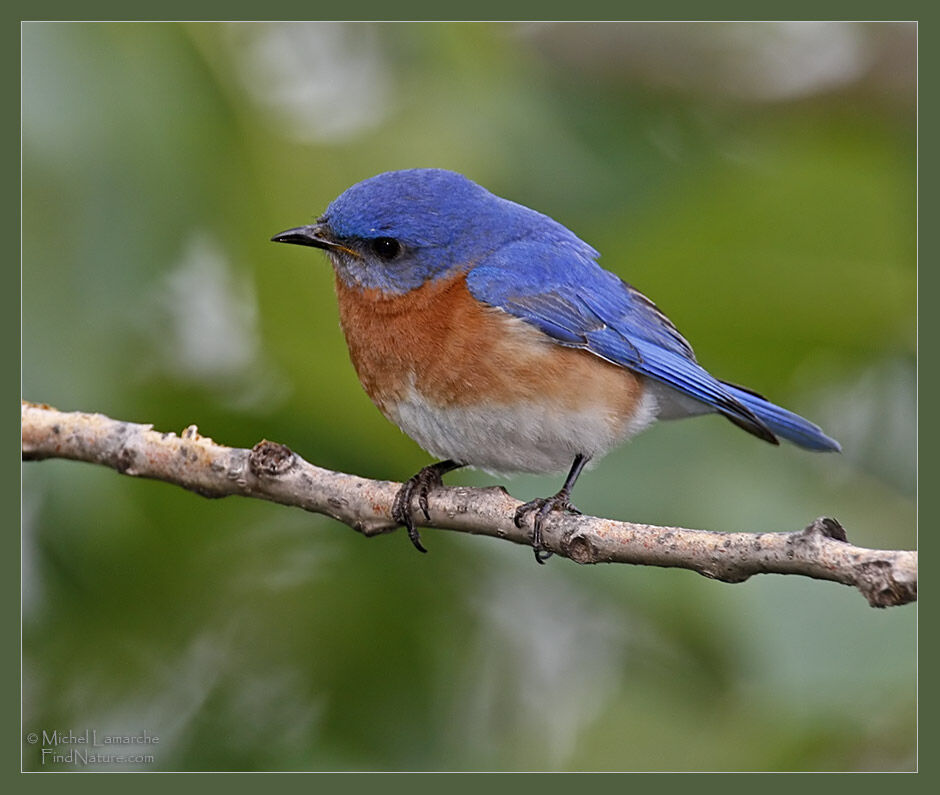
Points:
x=413, y=535
x=543, y=506
x=423, y=504
x=419, y=485
x=401, y=511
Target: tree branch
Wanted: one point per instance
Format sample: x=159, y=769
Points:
x=271, y=471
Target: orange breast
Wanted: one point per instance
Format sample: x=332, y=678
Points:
x=455, y=352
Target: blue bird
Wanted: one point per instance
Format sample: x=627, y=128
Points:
x=490, y=335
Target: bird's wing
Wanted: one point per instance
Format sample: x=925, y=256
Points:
x=570, y=298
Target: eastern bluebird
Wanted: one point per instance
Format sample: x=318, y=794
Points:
x=490, y=335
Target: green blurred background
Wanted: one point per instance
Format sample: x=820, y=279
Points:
x=757, y=180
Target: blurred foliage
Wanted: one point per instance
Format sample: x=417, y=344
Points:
x=756, y=180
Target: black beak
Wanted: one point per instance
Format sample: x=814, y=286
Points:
x=316, y=235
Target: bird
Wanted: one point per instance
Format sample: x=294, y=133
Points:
x=489, y=333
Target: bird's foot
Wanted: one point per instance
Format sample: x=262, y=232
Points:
x=419, y=485
x=541, y=507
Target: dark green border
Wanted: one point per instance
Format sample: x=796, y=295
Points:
x=929, y=130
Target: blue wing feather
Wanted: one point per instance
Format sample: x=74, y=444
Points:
x=561, y=290
x=785, y=423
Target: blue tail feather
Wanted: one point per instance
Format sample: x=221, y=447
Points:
x=783, y=423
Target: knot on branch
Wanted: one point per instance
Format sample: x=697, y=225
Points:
x=578, y=546
x=885, y=585
x=271, y=459
x=826, y=527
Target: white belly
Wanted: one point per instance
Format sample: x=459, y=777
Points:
x=519, y=438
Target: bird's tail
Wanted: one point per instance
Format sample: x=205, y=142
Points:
x=784, y=423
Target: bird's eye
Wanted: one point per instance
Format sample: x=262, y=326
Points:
x=386, y=247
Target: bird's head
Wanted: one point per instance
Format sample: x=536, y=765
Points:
x=398, y=230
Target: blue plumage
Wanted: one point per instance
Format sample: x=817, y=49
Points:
x=459, y=308
x=579, y=304
x=530, y=266
x=785, y=423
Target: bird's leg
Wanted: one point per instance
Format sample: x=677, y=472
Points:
x=419, y=485
x=543, y=506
